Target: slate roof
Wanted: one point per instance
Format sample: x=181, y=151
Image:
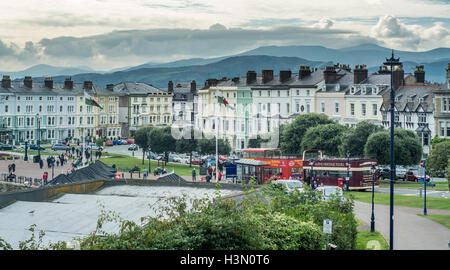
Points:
x=137, y=88
x=39, y=88
x=416, y=92
x=182, y=91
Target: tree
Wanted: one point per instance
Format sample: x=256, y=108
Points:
x=141, y=139
x=438, y=158
x=407, y=147
x=208, y=146
x=292, y=134
x=187, y=146
x=354, y=139
x=161, y=140
x=325, y=137
x=256, y=142
x=437, y=140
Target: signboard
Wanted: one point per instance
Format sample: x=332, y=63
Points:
x=431, y=185
x=327, y=226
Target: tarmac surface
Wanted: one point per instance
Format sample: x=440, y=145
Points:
x=411, y=232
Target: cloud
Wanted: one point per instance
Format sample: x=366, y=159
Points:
x=394, y=32
x=324, y=23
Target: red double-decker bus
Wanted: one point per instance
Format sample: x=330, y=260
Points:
x=334, y=171
x=278, y=166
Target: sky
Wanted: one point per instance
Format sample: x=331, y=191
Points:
x=108, y=34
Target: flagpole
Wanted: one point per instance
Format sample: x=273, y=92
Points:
x=217, y=144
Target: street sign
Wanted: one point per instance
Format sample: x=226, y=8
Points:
x=431, y=185
x=327, y=226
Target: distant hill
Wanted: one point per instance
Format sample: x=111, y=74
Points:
x=229, y=67
x=47, y=70
x=269, y=57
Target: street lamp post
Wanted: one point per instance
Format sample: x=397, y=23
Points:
x=347, y=180
x=26, y=151
x=392, y=62
x=149, y=161
x=39, y=136
x=372, y=218
x=312, y=172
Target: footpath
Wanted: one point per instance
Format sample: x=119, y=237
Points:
x=411, y=232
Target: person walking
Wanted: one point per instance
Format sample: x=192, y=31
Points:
x=219, y=176
x=193, y=174
x=144, y=172
x=41, y=164
x=45, y=177
x=13, y=167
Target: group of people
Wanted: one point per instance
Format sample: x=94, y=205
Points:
x=11, y=172
x=159, y=171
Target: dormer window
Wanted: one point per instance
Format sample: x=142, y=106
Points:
x=363, y=91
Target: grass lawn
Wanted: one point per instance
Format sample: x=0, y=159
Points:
x=442, y=219
x=129, y=162
x=399, y=200
x=363, y=238
x=413, y=185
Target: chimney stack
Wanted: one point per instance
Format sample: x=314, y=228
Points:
x=88, y=85
x=419, y=73
x=48, y=82
x=398, y=77
x=193, y=87
x=235, y=80
x=6, y=81
x=304, y=72
x=360, y=74
x=329, y=74
x=251, y=76
x=110, y=87
x=210, y=82
x=28, y=82
x=170, y=87
x=68, y=83
x=448, y=75
x=285, y=75
x=267, y=75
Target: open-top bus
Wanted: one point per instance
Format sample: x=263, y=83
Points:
x=333, y=171
x=278, y=166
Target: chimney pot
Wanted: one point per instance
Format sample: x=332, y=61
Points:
x=170, y=87
x=110, y=87
x=193, y=87
x=28, y=81
x=419, y=74
x=304, y=72
x=88, y=85
x=48, y=82
x=6, y=81
x=251, y=76
x=267, y=75
x=330, y=75
x=68, y=83
x=360, y=74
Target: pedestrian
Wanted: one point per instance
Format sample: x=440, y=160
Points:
x=9, y=168
x=209, y=170
x=219, y=176
x=73, y=150
x=41, y=164
x=45, y=177
x=13, y=167
x=57, y=162
x=145, y=173
x=314, y=185
x=193, y=174
x=164, y=171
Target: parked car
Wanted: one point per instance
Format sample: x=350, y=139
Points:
x=4, y=146
x=290, y=185
x=94, y=147
x=35, y=147
x=130, y=141
x=413, y=175
x=133, y=147
x=400, y=172
x=116, y=142
x=124, y=142
x=109, y=143
x=59, y=146
x=328, y=191
x=384, y=173
x=174, y=158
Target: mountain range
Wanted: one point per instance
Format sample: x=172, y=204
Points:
x=267, y=57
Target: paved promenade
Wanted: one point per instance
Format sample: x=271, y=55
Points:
x=411, y=232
